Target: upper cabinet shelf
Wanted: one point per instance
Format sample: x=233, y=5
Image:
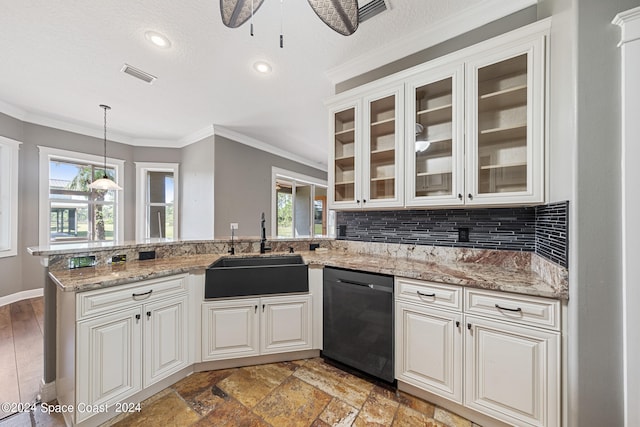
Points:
x=464, y=129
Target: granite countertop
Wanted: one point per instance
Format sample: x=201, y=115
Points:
x=485, y=275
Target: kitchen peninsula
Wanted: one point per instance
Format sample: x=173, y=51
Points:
x=97, y=315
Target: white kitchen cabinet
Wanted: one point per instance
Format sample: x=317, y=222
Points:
x=367, y=164
x=472, y=129
x=498, y=353
x=230, y=329
x=285, y=324
x=435, y=137
x=505, y=138
x=165, y=338
x=429, y=349
x=127, y=338
x=253, y=326
x=109, y=363
x=345, y=148
x=512, y=372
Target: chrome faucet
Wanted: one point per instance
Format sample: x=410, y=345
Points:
x=263, y=238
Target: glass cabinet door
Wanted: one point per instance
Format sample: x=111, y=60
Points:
x=502, y=126
x=506, y=126
x=434, y=138
x=383, y=155
x=344, y=158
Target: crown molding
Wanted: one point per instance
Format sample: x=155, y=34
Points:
x=263, y=146
x=12, y=111
x=196, y=136
x=629, y=23
x=469, y=19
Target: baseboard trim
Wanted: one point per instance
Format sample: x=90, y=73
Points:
x=19, y=296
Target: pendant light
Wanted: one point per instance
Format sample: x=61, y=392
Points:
x=104, y=183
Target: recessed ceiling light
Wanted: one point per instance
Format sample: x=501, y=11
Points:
x=262, y=67
x=158, y=39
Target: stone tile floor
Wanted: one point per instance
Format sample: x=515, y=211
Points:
x=300, y=393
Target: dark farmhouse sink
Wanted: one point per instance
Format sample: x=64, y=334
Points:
x=256, y=275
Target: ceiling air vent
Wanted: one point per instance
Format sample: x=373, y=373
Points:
x=371, y=9
x=138, y=74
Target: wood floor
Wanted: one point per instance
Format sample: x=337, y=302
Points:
x=21, y=351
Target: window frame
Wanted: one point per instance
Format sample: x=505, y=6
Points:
x=9, y=165
x=283, y=174
x=142, y=168
x=47, y=154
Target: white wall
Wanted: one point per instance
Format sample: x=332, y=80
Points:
x=630, y=52
x=197, y=190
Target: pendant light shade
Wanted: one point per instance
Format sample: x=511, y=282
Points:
x=339, y=15
x=104, y=183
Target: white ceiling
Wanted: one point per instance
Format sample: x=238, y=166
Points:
x=61, y=59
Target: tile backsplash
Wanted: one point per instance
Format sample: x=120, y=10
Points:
x=540, y=229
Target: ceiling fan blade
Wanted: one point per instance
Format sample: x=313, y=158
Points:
x=340, y=15
x=236, y=12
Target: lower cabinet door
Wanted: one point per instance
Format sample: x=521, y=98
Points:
x=512, y=372
x=165, y=338
x=286, y=324
x=429, y=349
x=230, y=329
x=109, y=358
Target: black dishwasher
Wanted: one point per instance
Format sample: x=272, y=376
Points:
x=358, y=320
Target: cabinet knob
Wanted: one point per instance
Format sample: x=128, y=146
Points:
x=364, y=200
x=148, y=314
x=457, y=323
x=460, y=196
x=255, y=309
x=137, y=317
x=263, y=308
x=358, y=201
x=470, y=196
x=469, y=326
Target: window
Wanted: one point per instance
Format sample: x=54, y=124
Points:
x=8, y=197
x=74, y=212
x=156, y=200
x=299, y=205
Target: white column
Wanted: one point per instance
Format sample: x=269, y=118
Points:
x=629, y=22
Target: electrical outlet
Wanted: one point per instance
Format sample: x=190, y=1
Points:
x=118, y=259
x=234, y=225
x=463, y=234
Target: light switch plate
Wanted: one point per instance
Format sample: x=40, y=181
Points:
x=234, y=225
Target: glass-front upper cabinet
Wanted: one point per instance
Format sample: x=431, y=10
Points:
x=344, y=164
x=434, y=150
x=505, y=126
x=382, y=149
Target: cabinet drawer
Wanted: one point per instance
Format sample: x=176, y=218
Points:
x=429, y=294
x=119, y=297
x=516, y=308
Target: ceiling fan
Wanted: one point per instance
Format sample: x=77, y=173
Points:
x=339, y=15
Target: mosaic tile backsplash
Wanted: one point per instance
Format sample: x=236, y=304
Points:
x=540, y=229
